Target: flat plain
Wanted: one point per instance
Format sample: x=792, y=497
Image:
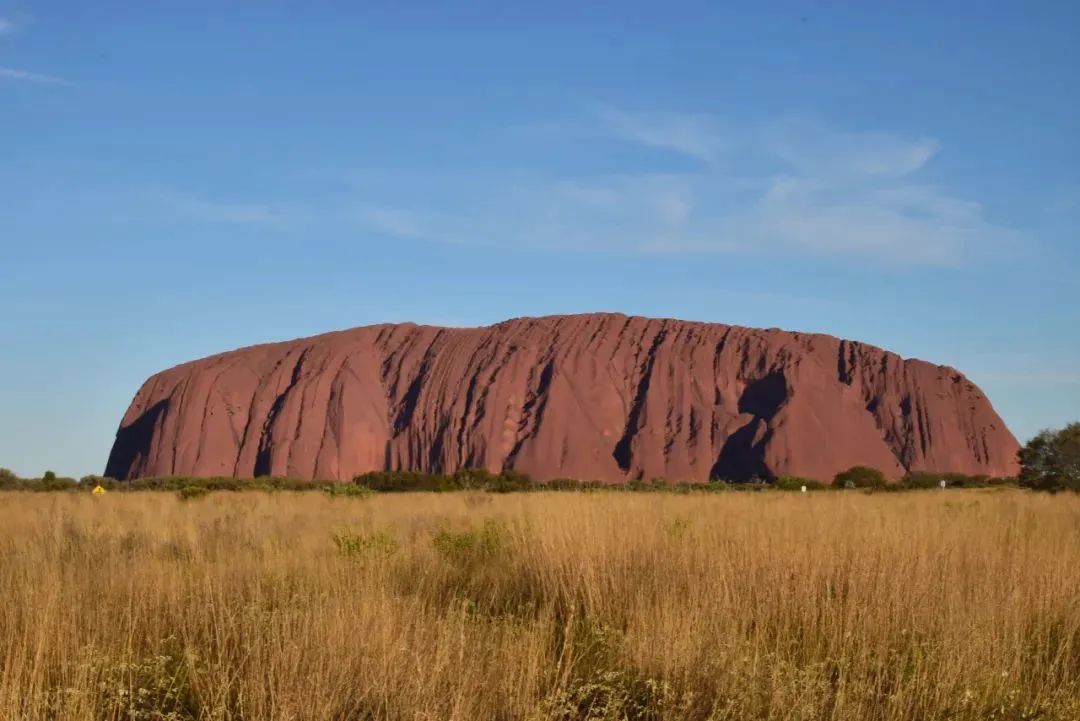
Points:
x=252, y=606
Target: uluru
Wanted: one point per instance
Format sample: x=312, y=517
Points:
x=603, y=397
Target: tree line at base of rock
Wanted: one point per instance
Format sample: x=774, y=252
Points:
x=1049, y=462
x=858, y=477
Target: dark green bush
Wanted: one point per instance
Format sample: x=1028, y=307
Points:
x=88, y=483
x=220, y=483
x=473, y=479
x=8, y=480
x=349, y=490
x=562, y=484
x=55, y=483
x=931, y=479
x=921, y=479
x=188, y=492
x=511, y=481
x=860, y=477
x=963, y=480
x=795, y=483
x=401, y=481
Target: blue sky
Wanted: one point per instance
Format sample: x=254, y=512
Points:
x=182, y=179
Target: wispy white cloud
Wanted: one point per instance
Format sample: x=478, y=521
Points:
x=697, y=136
x=15, y=23
x=9, y=25
x=26, y=75
x=390, y=221
x=213, y=211
x=809, y=147
x=825, y=216
x=330, y=217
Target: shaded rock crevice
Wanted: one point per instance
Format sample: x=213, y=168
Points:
x=263, y=459
x=622, y=453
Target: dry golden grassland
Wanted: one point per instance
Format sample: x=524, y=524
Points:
x=260, y=606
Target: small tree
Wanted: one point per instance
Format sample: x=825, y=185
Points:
x=1051, y=460
x=49, y=476
x=8, y=479
x=860, y=477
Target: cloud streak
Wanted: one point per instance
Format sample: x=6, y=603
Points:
x=696, y=136
x=808, y=147
x=348, y=217
x=388, y=221
x=212, y=211
x=27, y=76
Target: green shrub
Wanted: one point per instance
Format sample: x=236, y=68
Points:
x=473, y=479
x=932, y=479
x=400, y=481
x=88, y=483
x=348, y=490
x=353, y=545
x=469, y=479
x=599, y=687
x=463, y=547
x=610, y=694
x=998, y=481
x=677, y=527
x=511, y=481
x=921, y=479
x=795, y=483
x=562, y=484
x=963, y=480
x=860, y=477
x=154, y=688
x=219, y=483
x=188, y=492
x=55, y=483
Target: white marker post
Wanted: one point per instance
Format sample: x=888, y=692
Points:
x=942, y=483
x=803, y=489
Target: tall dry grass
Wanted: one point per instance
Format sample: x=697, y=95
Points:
x=846, y=606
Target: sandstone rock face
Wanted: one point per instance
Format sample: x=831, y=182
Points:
x=598, y=397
